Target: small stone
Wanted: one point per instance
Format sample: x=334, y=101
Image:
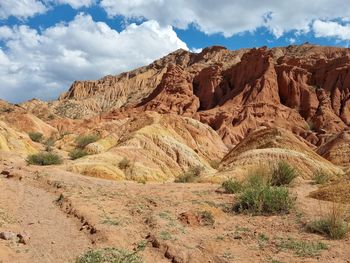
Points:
x=7, y=235
x=23, y=238
x=6, y=173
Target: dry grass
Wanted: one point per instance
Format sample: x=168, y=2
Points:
x=338, y=191
x=333, y=223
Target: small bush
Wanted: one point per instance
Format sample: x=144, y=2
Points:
x=206, y=218
x=83, y=141
x=256, y=180
x=124, y=163
x=265, y=199
x=320, y=177
x=282, y=174
x=330, y=228
x=332, y=225
x=77, y=153
x=185, y=178
x=302, y=248
x=215, y=164
x=232, y=187
x=196, y=170
x=35, y=136
x=109, y=255
x=44, y=158
x=190, y=176
x=49, y=143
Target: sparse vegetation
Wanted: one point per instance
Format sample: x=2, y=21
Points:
x=191, y=175
x=44, y=158
x=321, y=177
x=110, y=221
x=265, y=199
x=310, y=125
x=333, y=225
x=302, y=248
x=215, y=164
x=282, y=174
x=231, y=186
x=49, y=143
x=329, y=227
x=77, y=153
x=164, y=235
x=83, y=141
x=206, y=218
x=264, y=191
x=35, y=136
x=109, y=255
x=124, y=163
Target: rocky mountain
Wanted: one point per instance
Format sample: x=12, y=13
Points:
x=237, y=109
x=304, y=89
x=184, y=160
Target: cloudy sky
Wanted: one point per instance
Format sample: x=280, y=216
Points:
x=47, y=44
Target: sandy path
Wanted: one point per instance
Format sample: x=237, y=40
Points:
x=53, y=236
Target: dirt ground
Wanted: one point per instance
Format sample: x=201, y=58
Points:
x=66, y=214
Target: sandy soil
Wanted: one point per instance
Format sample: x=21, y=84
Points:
x=65, y=214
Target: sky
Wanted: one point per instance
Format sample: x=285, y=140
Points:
x=47, y=44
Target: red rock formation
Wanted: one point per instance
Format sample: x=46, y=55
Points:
x=301, y=88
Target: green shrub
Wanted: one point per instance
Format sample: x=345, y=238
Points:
x=334, y=229
x=44, y=158
x=256, y=179
x=191, y=175
x=320, y=177
x=264, y=199
x=83, y=141
x=77, y=153
x=282, y=174
x=232, y=187
x=333, y=224
x=109, y=255
x=35, y=136
x=124, y=163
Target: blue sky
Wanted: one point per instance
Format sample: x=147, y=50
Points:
x=47, y=44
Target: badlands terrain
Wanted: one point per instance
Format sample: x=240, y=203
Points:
x=156, y=162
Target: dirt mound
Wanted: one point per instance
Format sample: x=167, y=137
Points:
x=267, y=146
x=336, y=192
x=154, y=147
x=337, y=149
x=14, y=141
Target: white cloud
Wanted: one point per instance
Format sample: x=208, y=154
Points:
x=291, y=40
x=28, y=8
x=232, y=17
x=43, y=64
x=331, y=29
x=76, y=3
x=20, y=8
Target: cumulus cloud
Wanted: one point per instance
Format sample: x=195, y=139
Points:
x=331, y=29
x=232, y=17
x=76, y=3
x=28, y=8
x=21, y=8
x=43, y=64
